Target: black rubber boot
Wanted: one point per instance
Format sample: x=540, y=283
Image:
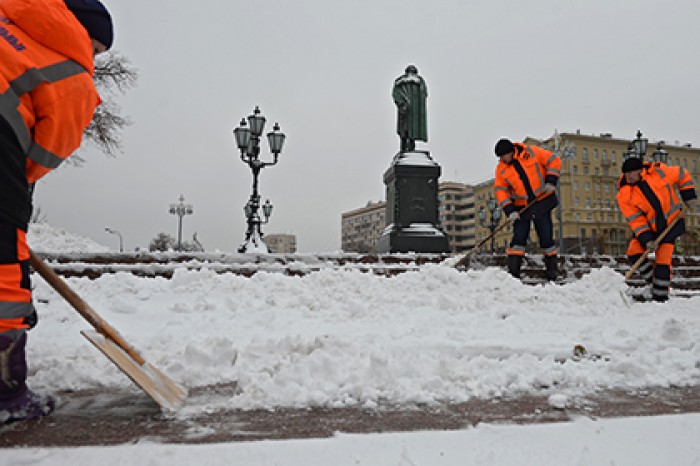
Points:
x=551, y=264
x=514, y=264
x=17, y=402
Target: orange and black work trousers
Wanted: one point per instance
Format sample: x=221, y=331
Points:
x=16, y=309
x=656, y=273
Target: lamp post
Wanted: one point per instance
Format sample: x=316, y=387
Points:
x=564, y=151
x=121, y=239
x=247, y=137
x=493, y=220
x=180, y=209
x=660, y=154
x=637, y=147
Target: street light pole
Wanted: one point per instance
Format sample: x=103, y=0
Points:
x=493, y=220
x=181, y=209
x=247, y=137
x=121, y=239
x=564, y=152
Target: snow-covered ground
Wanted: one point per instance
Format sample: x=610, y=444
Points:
x=345, y=338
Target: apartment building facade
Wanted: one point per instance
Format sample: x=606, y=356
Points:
x=361, y=228
x=456, y=215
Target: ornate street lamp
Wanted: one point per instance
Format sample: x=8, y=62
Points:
x=493, y=220
x=181, y=209
x=247, y=137
x=638, y=147
x=660, y=154
x=121, y=239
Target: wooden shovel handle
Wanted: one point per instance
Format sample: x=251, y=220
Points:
x=657, y=241
x=62, y=288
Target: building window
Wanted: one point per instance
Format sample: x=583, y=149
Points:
x=584, y=155
x=596, y=171
x=587, y=185
x=575, y=170
x=577, y=201
x=588, y=203
x=575, y=185
x=585, y=170
x=613, y=157
x=595, y=154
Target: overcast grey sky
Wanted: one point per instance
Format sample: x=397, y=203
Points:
x=324, y=70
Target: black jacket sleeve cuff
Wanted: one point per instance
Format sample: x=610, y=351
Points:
x=688, y=194
x=551, y=179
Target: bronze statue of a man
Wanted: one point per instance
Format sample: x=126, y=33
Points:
x=410, y=94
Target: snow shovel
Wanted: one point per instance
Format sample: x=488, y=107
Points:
x=656, y=243
x=467, y=256
x=169, y=395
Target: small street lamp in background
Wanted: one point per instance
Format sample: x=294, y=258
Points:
x=660, y=154
x=248, y=141
x=565, y=151
x=181, y=209
x=637, y=148
x=493, y=221
x=121, y=239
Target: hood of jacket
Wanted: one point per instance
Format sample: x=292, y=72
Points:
x=51, y=23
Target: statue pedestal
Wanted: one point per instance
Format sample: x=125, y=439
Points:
x=412, y=205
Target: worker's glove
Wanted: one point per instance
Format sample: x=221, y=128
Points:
x=651, y=246
x=513, y=216
x=549, y=188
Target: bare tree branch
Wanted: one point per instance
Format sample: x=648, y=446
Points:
x=114, y=76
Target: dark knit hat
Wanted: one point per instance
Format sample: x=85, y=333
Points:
x=95, y=18
x=504, y=146
x=632, y=164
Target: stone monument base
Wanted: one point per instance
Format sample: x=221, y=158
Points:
x=417, y=237
x=412, y=205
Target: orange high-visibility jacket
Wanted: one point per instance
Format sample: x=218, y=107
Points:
x=521, y=181
x=46, y=90
x=659, y=192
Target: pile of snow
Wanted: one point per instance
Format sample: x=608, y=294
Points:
x=346, y=338
x=46, y=238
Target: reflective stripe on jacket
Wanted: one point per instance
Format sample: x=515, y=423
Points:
x=516, y=187
x=661, y=187
x=46, y=90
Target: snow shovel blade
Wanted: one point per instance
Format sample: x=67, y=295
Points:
x=169, y=395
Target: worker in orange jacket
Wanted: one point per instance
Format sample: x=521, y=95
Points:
x=650, y=197
x=47, y=99
x=528, y=175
